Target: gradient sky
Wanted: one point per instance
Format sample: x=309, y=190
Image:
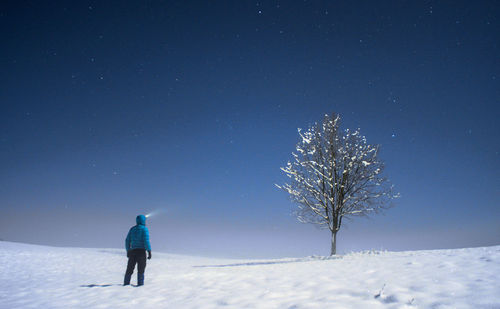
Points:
x=113, y=109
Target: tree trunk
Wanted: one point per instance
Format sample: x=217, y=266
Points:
x=334, y=243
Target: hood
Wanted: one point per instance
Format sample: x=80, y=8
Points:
x=140, y=220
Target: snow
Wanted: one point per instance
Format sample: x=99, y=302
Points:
x=51, y=277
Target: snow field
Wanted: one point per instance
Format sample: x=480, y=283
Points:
x=49, y=277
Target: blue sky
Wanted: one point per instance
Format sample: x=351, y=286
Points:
x=109, y=110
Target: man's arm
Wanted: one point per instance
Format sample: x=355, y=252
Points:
x=146, y=239
x=127, y=242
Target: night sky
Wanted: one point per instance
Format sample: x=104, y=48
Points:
x=117, y=108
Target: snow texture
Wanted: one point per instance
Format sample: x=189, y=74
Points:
x=50, y=277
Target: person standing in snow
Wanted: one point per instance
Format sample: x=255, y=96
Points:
x=136, y=244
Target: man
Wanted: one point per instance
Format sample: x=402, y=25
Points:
x=136, y=244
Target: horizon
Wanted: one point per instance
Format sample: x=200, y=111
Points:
x=366, y=251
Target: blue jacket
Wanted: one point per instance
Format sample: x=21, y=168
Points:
x=138, y=236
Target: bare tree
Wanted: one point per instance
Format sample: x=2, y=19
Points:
x=334, y=175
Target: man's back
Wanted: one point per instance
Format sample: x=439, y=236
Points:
x=138, y=236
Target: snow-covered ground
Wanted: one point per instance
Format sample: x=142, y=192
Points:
x=49, y=277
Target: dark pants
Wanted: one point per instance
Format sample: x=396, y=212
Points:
x=136, y=256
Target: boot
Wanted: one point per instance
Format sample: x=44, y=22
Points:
x=140, y=279
x=126, y=280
